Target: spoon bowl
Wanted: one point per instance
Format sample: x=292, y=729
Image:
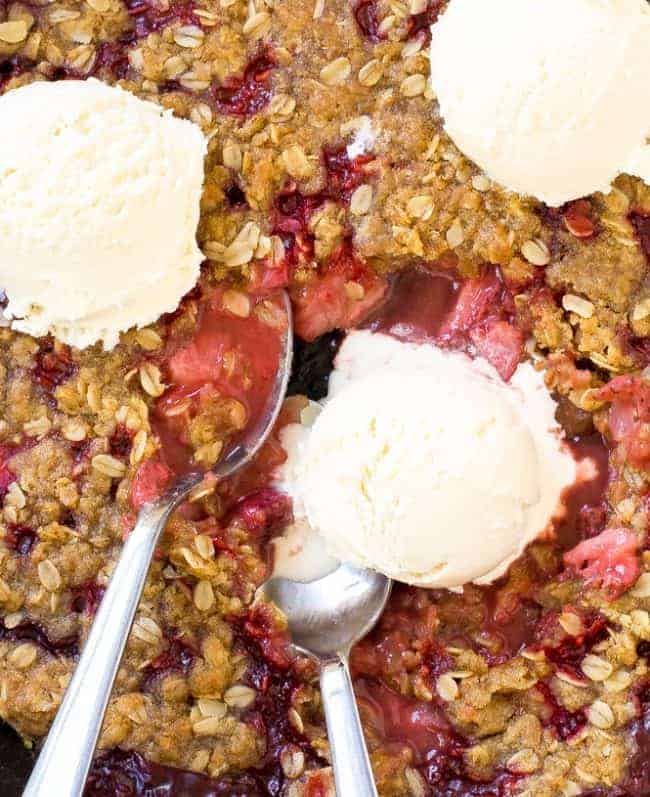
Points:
x=326, y=617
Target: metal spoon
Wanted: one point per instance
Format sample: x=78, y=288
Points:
x=326, y=617
x=66, y=756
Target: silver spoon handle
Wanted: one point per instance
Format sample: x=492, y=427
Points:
x=350, y=761
x=67, y=754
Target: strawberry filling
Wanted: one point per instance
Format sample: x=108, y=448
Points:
x=578, y=218
x=367, y=17
x=54, y=364
x=21, y=539
x=248, y=94
x=222, y=377
x=341, y=298
x=436, y=748
x=150, y=17
x=565, y=723
x=149, y=482
x=473, y=315
x=609, y=561
x=263, y=513
x=629, y=417
x=178, y=657
x=420, y=24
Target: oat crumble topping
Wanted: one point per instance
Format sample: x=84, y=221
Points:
x=536, y=687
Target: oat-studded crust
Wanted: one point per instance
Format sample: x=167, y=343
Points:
x=283, y=89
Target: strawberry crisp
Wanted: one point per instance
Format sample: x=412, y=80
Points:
x=328, y=172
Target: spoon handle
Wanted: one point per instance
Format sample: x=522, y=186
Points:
x=67, y=754
x=350, y=761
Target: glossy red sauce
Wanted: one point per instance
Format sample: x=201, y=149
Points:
x=293, y=208
x=248, y=93
x=474, y=315
x=437, y=748
x=227, y=357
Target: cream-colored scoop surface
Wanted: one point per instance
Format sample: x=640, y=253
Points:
x=551, y=98
x=425, y=466
x=99, y=205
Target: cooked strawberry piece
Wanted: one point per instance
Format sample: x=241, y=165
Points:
x=609, y=561
x=479, y=317
x=367, y=17
x=201, y=361
x=628, y=387
x=149, y=482
x=640, y=220
x=475, y=300
x=629, y=416
x=54, y=364
x=232, y=358
x=248, y=94
x=269, y=275
x=578, y=218
x=501, y=344
x=264, y=513
x=623, y=420
x=421, y=727
x=220, y=334
x=341, y=298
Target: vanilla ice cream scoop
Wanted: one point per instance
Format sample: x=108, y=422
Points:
x=425, y=466
x=550, y=98
x=99, y=206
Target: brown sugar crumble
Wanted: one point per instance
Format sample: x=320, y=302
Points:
x=328, y=171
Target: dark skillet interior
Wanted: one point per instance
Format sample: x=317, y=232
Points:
x=311, y=368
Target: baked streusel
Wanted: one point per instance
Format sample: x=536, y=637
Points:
x=328, y=171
